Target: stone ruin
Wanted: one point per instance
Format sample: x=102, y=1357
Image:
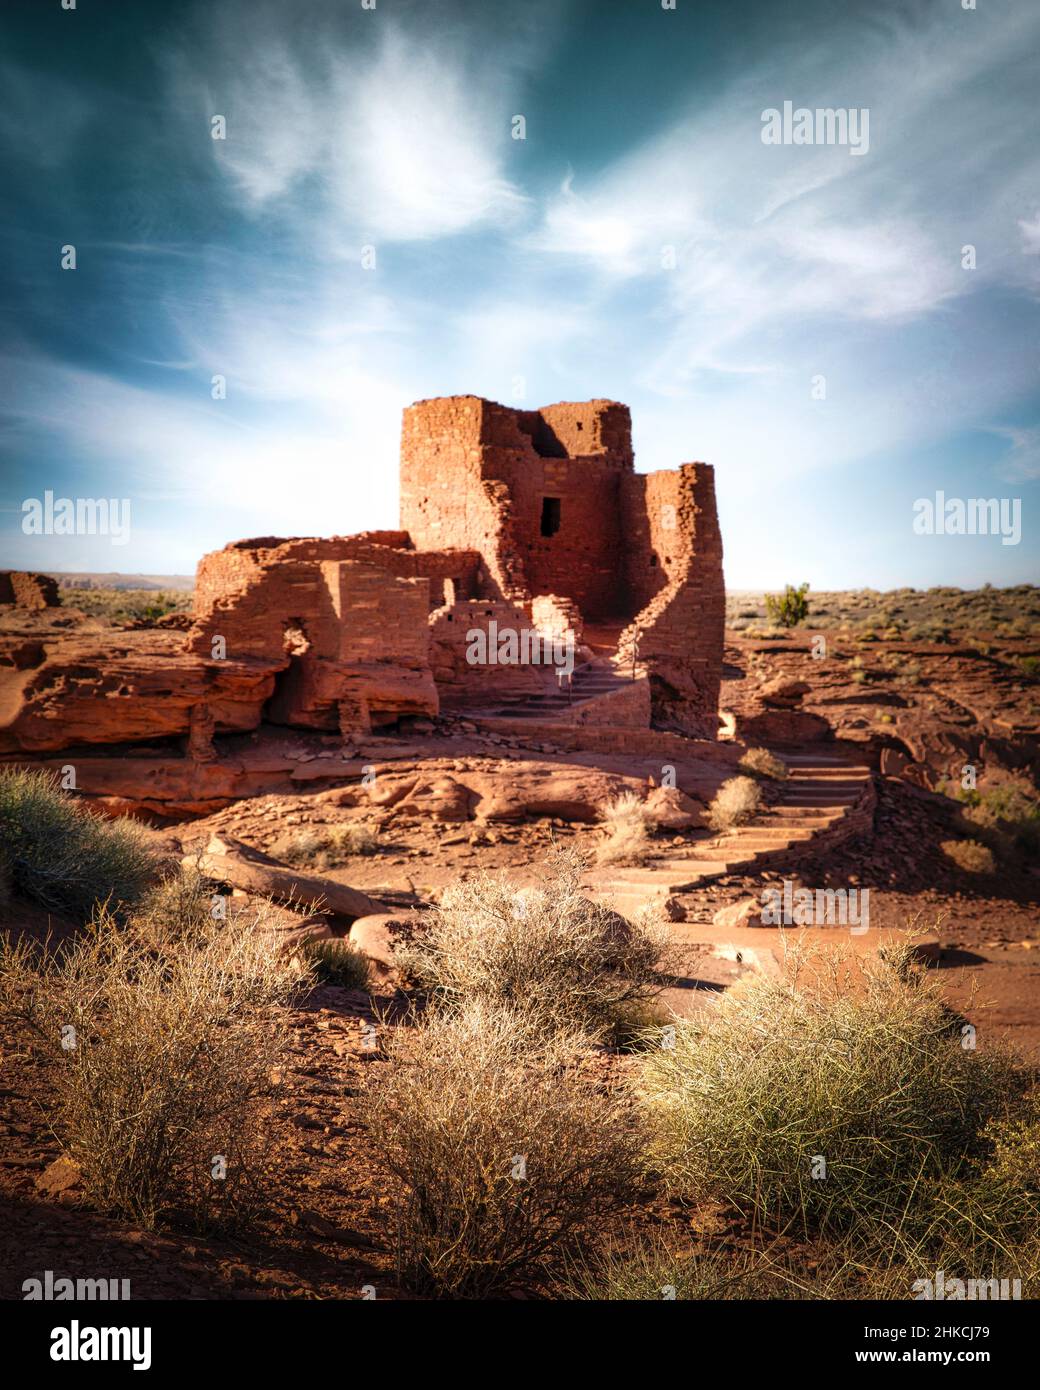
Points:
x=527, y=521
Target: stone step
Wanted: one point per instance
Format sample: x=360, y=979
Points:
x=767, y=834
x=821, y=799
x=797, y=784
x=668, y=878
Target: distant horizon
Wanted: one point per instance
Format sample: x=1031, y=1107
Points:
x=730, y=589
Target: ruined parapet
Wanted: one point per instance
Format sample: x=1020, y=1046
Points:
x=673, y=564
x=26, y=589
x=477, y=655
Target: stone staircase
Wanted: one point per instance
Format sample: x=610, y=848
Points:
x=589, y=682
x=823, y=801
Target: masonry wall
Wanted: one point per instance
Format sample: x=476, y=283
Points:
x=474, y=474
x=448, y=500
x=462, y=682
x=678, y=635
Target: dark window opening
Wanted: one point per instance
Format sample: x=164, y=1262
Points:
x=550, y=516
x=653, y=560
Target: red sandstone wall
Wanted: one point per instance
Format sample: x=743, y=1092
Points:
x=26, y=589
x=447, y=500
x=460, y=682
x=680, y=631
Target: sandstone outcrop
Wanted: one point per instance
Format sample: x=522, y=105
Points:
x=226, y=860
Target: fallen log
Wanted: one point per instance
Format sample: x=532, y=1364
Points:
x=230, y=861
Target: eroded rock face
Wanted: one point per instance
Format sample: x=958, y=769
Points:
x=65, y=683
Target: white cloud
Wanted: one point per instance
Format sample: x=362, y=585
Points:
x=770, y=237
x=1022, y=462
x=403, y=135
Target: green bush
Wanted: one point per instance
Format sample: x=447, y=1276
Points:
x=789, y=608
x=858, y=1071
x=339, y=963
x=54, y=851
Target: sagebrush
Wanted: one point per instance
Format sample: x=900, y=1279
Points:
x=156, y=1048
x=735, y=803
x=824, y=1097
x=550, y=949
x=56, y=852
x=508, y=1146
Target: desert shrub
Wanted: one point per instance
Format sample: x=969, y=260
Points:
x=628, y=837
x=550, y=948
x=326, y=847
x=970, y=855
x=54, y=851
x=735, y=803
x=180, y=905
x=1008, y=814
x=759, y=762
x=339, y=963
x=126, y=605
x=1029, y=666
x=862, y=1072
x=507, y=1147
x=910, y=673
x=156, y=1061
x=649, y=1269
x=789, y=608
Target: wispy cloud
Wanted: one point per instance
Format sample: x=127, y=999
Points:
x=399, y=133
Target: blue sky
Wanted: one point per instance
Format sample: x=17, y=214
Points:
x=537, y=266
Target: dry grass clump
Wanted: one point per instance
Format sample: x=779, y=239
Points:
x=861, y=1074
x=54, y=851
x=325, y=848
x=156, y=1049
x=550, y=949
x=628, y=831
x=735, y=803
x=509, y=1148
x=759, y=762
x=339, y=963
x=970, y=855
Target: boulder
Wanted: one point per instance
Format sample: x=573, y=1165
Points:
x=671, y=809
x=746, y=913
x=376, y=935
x=783, y=692
x=59, y=1176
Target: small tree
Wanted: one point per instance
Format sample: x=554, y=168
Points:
x=790, y=608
